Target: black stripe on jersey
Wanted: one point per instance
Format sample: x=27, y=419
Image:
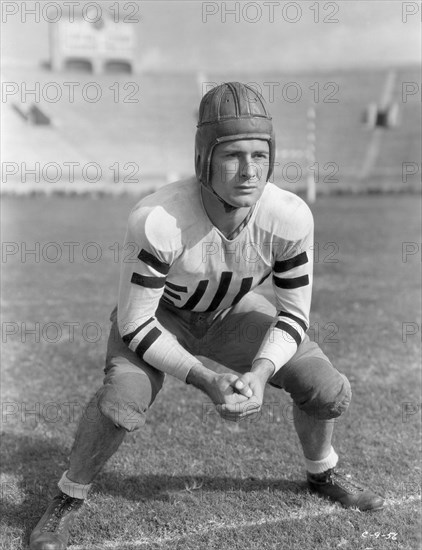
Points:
x=147, y=282
x=127, y=339
x=286, y=265
x=222, y=289
x=197, y=295
x=298, y=320
x=290, y=330
x=146, y=342
x=172, y=294
x=166, y=300
x=178, y=288
x=264, y=278
x=295, y=282
x=154, y=262
x=244, y=289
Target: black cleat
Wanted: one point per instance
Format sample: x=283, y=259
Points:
x=52, y=531
x=340, y=487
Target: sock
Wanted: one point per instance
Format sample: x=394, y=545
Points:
x=75, y=490
x=319, y=466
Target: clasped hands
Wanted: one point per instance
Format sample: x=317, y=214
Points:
x=235, y=397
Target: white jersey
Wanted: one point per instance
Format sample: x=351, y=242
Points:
x=184, y=260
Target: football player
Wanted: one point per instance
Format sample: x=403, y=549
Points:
x=203, y=246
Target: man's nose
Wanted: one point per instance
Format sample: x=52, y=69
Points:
x=249, y=169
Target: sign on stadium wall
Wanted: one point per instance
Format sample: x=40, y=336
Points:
x=99, y=46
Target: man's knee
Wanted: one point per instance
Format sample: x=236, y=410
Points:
x=329, y=401
x=318, y=388
x=124, y=399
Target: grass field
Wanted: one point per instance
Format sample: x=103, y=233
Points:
x=189, y=480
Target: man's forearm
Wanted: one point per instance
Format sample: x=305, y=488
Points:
x=263, y=368
x=200, y=377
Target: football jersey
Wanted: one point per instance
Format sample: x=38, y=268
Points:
x=180, y=257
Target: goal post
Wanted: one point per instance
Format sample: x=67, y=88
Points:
x=310, y=154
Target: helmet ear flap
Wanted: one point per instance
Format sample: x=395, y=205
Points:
x=198, y=166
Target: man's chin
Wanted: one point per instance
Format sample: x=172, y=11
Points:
x=243, y=202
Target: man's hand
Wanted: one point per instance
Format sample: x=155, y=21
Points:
x=224, y=390
x=255, y=380
x=248, y=406
x=235, y=398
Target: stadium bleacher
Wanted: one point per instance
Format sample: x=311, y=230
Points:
x=146, y=122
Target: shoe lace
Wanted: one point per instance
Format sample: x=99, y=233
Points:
x=65, y=504
x=344, y=480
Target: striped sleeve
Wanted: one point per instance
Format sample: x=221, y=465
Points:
x=292, y=285
x=142, y=278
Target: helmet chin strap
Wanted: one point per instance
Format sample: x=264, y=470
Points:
x=227, y=206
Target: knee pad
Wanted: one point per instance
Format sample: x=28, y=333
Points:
x=125, y=400
x=318, y=389
x=331, y=401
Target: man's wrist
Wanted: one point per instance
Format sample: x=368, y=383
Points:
x=263, y=368
x=199, y=376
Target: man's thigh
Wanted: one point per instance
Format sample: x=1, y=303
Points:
x=130, y=379
x=313, y=383
x=235, y=338
x=130, y=385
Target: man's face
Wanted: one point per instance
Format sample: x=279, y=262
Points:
x=239, y=171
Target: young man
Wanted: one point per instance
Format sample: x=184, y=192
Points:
x=203, y=246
